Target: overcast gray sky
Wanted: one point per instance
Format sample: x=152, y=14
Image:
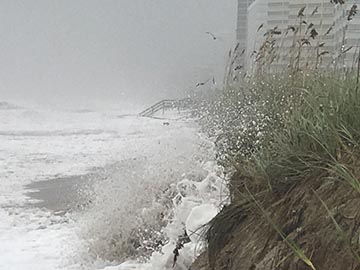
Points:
x=86, y=50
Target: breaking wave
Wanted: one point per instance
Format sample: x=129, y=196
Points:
x=139, y=211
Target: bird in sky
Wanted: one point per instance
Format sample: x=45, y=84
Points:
x=201, y=83
x=212, y=35
x=205, y=82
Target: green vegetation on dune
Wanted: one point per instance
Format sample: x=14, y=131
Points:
x=278, y=131
x=284, y=126
x=290, y=141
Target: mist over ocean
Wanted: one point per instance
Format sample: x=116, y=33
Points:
x=85, y=182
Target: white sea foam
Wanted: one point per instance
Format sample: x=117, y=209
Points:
x=150, y=172
x=194, y=205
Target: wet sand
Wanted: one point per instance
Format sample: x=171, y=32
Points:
x=73, y=193
x=63, y=194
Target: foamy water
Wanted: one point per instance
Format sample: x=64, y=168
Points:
x=152, y=182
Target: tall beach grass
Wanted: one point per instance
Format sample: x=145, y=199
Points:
x=275, y=128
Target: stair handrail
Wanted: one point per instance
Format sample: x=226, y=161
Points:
x=165, y=103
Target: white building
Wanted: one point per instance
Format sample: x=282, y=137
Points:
x=257, y=26
x=278, y=14
x=347, y=36
x=321, y=28
x=242, y=28
x=320, y=14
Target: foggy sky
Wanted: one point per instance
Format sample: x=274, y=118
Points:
x=70, y=51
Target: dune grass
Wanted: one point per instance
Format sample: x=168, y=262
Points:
x=275, y=132
x=285, y=126
x=275, y=129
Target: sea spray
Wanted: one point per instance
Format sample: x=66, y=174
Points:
x=135, y=164
x=194, y=203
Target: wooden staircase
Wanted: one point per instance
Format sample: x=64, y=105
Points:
x=166, y=104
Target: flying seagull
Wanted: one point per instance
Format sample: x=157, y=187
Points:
x=205, y=82
x=202, y=83
x=211, y=34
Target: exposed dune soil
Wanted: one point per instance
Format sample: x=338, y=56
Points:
x=243, y=240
